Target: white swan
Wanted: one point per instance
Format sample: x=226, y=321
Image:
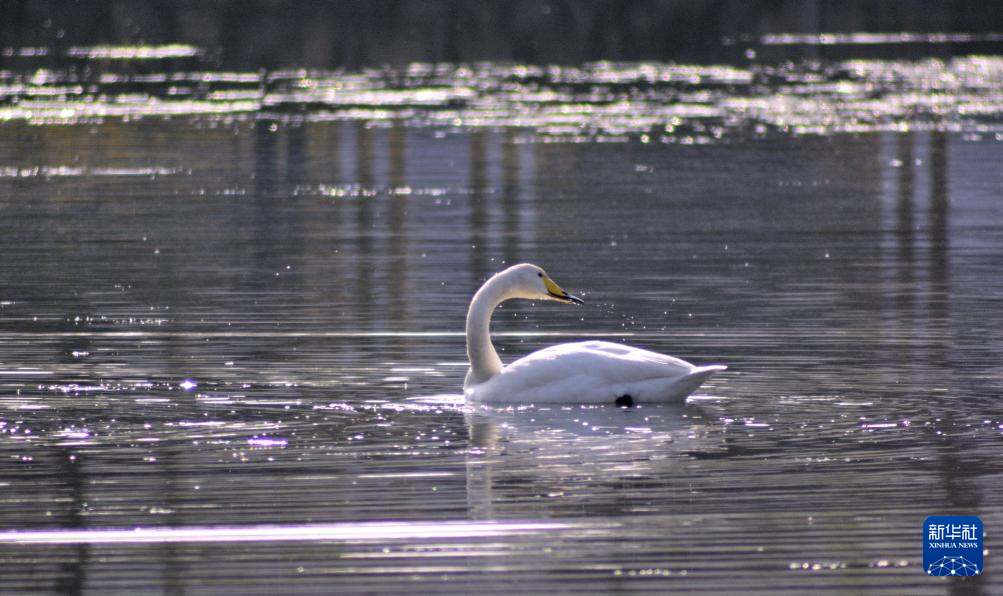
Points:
x=592, y=372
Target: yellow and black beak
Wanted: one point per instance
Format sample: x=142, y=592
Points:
x=557, y=293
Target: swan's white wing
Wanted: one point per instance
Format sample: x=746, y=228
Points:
x=592, y=372
x=613, y=362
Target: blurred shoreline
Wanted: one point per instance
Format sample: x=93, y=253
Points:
x=252, y=34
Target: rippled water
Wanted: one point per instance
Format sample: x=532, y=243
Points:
x=669, y=103
x=231, y=348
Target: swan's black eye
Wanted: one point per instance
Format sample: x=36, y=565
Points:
x=539, y=275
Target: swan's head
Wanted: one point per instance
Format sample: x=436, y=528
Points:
x=531, y=282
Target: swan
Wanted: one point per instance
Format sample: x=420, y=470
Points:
x=588, y=372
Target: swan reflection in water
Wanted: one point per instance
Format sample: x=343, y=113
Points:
x=561, y=458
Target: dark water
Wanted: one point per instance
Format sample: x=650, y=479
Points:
x=231, y=349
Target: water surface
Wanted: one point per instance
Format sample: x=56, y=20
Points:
x=231, y=341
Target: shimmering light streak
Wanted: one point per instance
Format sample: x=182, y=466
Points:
x=344, y=532
x=134, y=52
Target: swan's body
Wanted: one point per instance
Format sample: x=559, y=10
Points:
x=593, y=372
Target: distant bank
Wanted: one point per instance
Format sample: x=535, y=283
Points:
x=250, y=34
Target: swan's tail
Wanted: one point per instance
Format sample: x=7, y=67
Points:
x=706, y=371
x=673, y=389
x=691, y=382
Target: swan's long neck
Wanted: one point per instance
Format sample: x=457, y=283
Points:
x=484, y=361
